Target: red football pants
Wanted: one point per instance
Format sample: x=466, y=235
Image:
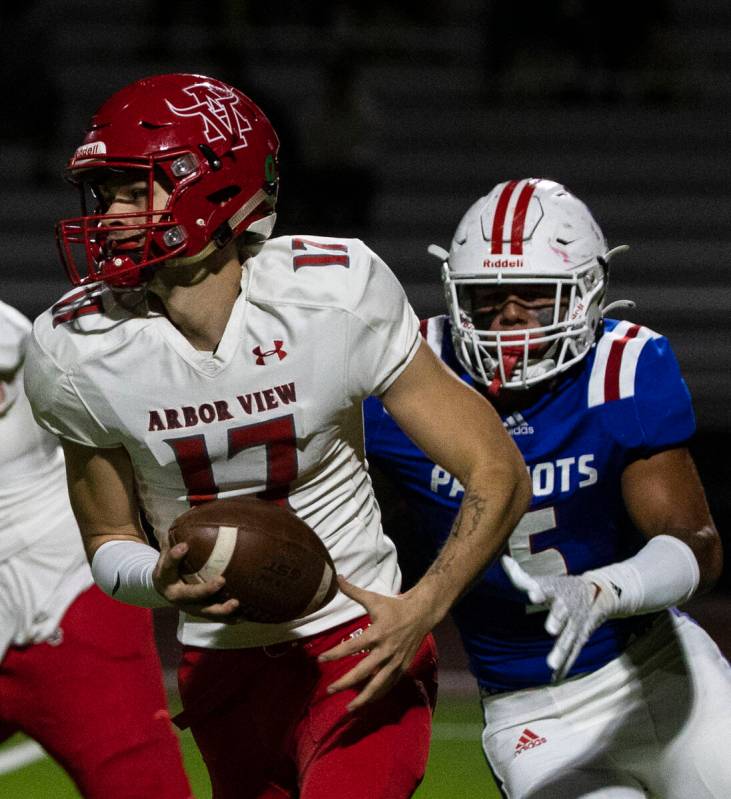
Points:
x=95, y=701
x=267, y=728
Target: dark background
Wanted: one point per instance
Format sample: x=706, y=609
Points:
x=395, y=117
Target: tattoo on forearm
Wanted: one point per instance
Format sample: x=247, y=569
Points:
x=470, y=515
x=469, y=519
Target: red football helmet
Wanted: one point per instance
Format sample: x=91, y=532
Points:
x=205, y=142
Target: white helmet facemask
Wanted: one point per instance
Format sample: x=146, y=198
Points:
x=530, y=240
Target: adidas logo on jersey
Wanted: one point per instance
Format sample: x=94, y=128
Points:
x=516, y=425
x=528, y=740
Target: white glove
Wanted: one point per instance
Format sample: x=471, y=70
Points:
x=577, y=606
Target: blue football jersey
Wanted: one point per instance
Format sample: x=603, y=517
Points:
x=625, y=400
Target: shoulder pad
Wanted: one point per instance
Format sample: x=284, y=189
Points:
x=615, y=362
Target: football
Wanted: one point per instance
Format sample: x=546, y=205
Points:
x=273, y=562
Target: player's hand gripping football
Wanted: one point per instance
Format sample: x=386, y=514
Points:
x=198, y=599
x=577, y=605
x=397, y=629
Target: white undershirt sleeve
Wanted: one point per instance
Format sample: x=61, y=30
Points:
x=662, y=574
x=123, y=570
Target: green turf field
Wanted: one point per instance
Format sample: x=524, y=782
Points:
x=456, y=765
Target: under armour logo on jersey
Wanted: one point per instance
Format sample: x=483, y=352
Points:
x=528, y=740
x=516, y=425
x=261, y=355
x=218, y=108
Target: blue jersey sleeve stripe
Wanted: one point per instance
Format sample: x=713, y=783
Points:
x=615, y=365
x=432, y=330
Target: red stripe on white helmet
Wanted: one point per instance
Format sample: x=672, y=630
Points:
x=518, y=226
x=498, y=220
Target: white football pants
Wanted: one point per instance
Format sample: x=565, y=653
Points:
x=655, y=722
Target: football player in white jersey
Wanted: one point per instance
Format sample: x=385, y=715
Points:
x=196, y=359
x=592, y=683
x=79, y=672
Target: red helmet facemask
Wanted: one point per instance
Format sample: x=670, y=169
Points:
x=206, y=143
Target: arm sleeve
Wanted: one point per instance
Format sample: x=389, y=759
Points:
x=383, y=332
x=662, y=574
x=123, y=570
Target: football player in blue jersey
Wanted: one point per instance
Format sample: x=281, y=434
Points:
x=592, y=683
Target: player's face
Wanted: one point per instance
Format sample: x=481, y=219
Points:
x=120, y=198
x=513, y=307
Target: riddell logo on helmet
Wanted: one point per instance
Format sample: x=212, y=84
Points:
x=501, y=263
x=89, y=150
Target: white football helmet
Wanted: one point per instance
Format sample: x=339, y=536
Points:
x=531, y=235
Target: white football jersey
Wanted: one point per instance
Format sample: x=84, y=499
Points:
x=319, y=325
x=33, y=495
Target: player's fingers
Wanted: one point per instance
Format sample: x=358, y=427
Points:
x=562, y=648
x=364, y=669
x=521, y=580
x=193, y=593
x=222, y=610
x=562, y=668
x=557, y=656
x=373, y=603
x=376, y=679
x=351, y=646
x=559, y=671
x=558, y=665
x=377, y=686
x=557, y=617
x=168, y=564
x=368, y=599
x=581, y=629
x=569, y=643
x=516, y=574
